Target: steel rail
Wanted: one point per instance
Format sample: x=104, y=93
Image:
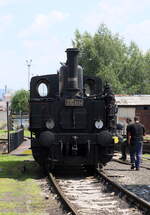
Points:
x=131, y=197
x=137, y=199
x=70, y=207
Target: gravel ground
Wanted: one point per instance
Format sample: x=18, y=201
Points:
x=135, y=181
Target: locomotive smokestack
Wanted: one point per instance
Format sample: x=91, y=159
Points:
x=71, y=75
x=72, y=62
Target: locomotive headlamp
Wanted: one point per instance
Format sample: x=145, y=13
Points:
x=50, y=124
x=99, y=124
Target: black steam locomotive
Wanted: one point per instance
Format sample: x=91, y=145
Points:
x=72, y=117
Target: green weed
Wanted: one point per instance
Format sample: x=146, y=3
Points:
x=20, y=192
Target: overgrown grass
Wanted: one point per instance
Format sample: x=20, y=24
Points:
x=27, y=152
x=147, y=137
x=27, y=133
x=146, y=155
x=19, y=190
x=3, y=134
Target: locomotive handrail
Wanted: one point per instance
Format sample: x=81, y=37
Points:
x=42, y=99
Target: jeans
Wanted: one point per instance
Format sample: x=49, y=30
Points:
x=136, y=152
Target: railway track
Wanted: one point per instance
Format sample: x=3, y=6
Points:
x=97, y=194
x=136, y=182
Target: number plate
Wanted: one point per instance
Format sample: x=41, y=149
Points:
x=74, y=102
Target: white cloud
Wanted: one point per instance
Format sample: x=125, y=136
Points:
x=5, y=21
x=12, y=71
x=139, y=33
x=107, y=12
x=4, y=2
x=8, y=2
x=42, y=23
x=129, y=18
x=115, y=13
x=127, y=8
x=46, y=54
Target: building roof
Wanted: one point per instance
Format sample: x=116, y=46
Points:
x=132, y=100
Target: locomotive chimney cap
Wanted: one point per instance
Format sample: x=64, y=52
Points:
x=72, y=50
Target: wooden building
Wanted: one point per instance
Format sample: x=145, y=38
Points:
x=129, y=106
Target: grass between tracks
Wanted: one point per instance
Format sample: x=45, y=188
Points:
x=27, y=133
x=146, y=156
x=3, y=133
x=20, y=192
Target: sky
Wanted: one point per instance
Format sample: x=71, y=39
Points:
x=41, y=31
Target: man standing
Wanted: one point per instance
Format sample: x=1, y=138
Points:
x=135, y=133
x=124, y=144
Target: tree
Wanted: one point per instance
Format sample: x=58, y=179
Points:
x=146, y=85
x=19, y=102
x=133, y=70
x=106, y=55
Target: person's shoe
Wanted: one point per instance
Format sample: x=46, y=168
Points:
x=132, y=166
x=137, y=168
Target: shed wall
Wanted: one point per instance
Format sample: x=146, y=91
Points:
x=123, y=114
x=144, y=118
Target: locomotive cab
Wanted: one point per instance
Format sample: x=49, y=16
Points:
x=72, y=117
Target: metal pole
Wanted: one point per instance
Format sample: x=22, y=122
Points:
x=21, y=126
x=28, y=62
x=8, y=132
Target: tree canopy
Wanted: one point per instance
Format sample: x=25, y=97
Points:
x=107, y=55
x=19, y=102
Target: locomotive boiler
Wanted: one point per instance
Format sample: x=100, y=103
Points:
x=72, y=117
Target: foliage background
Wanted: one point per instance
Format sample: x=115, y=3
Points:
x=106, y=55
x=19, y=102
